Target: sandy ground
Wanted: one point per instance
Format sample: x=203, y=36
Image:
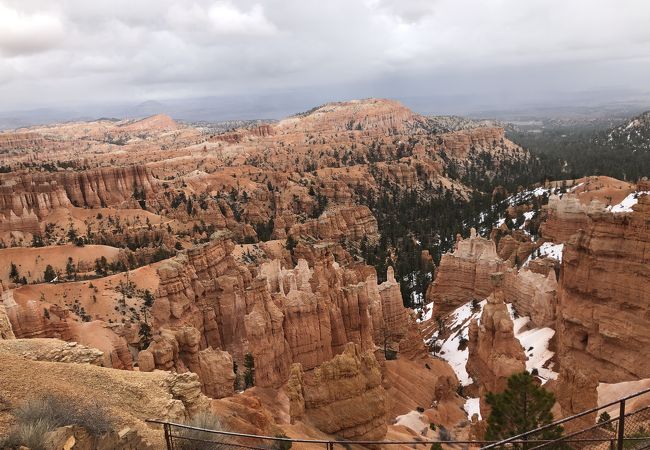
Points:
x=31, y=262
x=98, y=297
x=608, y=393
x=129, y=397
x=609, y=191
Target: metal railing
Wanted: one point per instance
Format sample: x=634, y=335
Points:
x=629, y=430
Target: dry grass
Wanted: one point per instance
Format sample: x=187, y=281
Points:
x=39, y=416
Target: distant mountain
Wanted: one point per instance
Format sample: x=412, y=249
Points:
x=574, y=149
x=633, y=134
x=146, y=109
x=456, y=123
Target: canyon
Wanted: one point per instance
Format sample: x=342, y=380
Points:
x=258, y=274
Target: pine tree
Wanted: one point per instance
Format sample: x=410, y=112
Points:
x=13, y=273
x=37, y=241
x=291, y=243
x=72, y=234
x=522, y=407
x=145, y=335
x=70, y=269
x=148, y=298
x=237, y=381
x=49, y=274
x=249, y=373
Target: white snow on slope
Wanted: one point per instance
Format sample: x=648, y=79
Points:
x=529, y=215
x=573, y=188
x=627, y=203
x=472, y=406
x=551, y=250
x=413, y=420
x=535, y=342
x=428, y=312
x=458, y=323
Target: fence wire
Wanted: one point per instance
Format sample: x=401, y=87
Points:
x=627, y=431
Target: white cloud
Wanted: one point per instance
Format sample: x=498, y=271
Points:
x=23, y=33
x=136, y=48
x=227, y=19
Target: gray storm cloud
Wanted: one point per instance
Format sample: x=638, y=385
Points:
x=54, y=51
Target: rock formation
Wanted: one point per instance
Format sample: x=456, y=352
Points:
x=494, y=352
x=576, y=391
x=533, y=295
x=396, y=318
x=52, y=350
x=76, y=437
x=460, y=143
x=281, y=316
x=343, y=397
x=464, y=274
x=603, y=297
x=515, y=247
x=20, y=141
x=6, y=331
x=565, y=216
x=568, y=213
x=35, y=319
x=377, y=115
x=309, y=312
x=353, y=223
x=28, y=199
x=178, y=350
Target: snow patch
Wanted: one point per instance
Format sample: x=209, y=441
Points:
x=529, y=215
x=472, y=406
x=428, y=312
x=413, y=420
x=535, y=342
x=458, y=322
x=627, y=203
x=551, y=250
x=573, y=188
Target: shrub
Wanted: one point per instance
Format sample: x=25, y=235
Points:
x=29, y=435
x=282, y=445
x=249, y=373
x=40, y=415
x=204, y=440
x=444, y=434
x=390, y=354
x=61, y=411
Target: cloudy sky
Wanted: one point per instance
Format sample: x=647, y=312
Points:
x=456, y=54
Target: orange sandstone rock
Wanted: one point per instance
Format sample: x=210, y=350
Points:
x=343, y=396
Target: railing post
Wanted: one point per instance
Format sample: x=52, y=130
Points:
x=621, y=425
x=168, y=437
